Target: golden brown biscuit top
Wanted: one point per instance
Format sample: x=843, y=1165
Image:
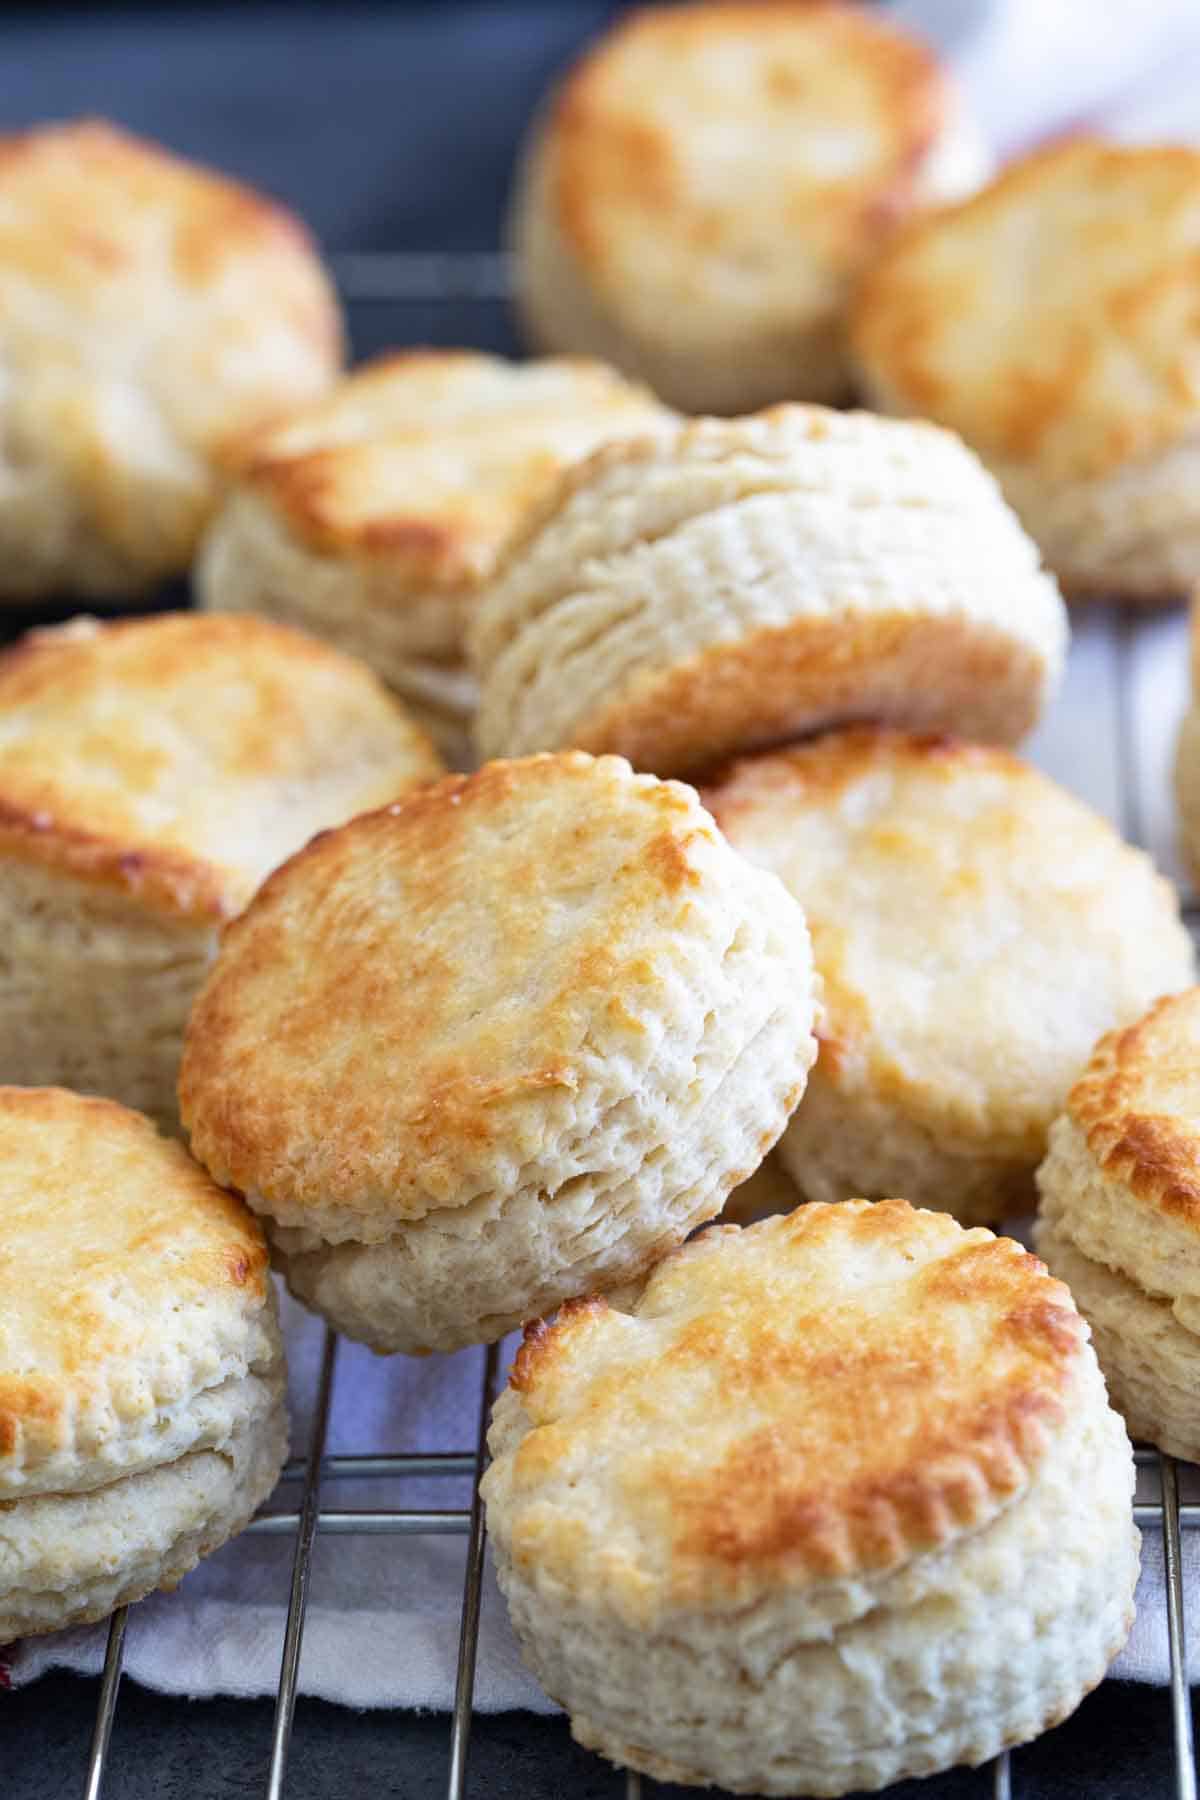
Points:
x=137, y=290
x=821, y=1395
x=1051, y=319
x=1138, y=1104
x=128, y=1279
x=428, y=459
x=177, y=759
x=976, y=927
x=721, y=151
x=428, y=1003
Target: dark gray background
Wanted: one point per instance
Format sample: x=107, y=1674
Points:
x=388, y=128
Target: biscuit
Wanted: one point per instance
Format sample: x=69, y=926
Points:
x=697, y=200
x=1120, y=1217
x=837, y=1501
x=746, y=581
x=975, y=928
x=372, y=517
x=141, y=1365
x=1051, y=321
x=500, y=1044
x=151, y=312
x=152, y=771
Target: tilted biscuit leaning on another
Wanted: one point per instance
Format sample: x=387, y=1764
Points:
x=373, y=516
x=503, y=1043
x=152, y=771
x=739, y=582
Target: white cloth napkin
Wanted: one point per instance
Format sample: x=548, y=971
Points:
x=383, y=1616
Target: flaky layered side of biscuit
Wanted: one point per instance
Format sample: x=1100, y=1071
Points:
x=372, y=517
x=499, y=1045
x=142, y=1411
x=1119, y=1217
x=836, y=1500
x=740, y=583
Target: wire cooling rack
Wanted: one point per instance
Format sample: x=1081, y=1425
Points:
x=1117, y=671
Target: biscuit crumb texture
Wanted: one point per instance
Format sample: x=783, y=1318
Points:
x=743, y=582
x=503, y=1043
x=151, y=314
x=836, y=1500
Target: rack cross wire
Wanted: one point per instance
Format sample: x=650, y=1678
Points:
x=443, y=289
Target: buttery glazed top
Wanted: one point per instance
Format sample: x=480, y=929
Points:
x=822, y=1395
x=975, y=926
x=454, y=996
x=1138, y=1104
x=660, y=137
x=177, y=759
x=1051, y=319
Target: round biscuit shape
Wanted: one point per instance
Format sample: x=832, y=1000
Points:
x=1050, y=320
x=138, y=1319
x=372, y=516
x=497, y=1045
x=838, y=1499
x=699, y=196
x=151, y=314
x=975, y=928
x=1120, y=1215
x=743, y=582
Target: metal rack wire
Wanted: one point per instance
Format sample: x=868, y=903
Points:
x=462, y=285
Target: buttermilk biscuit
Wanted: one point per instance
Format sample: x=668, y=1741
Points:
x=372, y=517
x=1120, y=1217
x=1051, y=321
x=836, y=1501
x=697, y=200
x=976, y=928
x=151, y=773
x=741, y=582
x=150, y=313
x=503, y=1043
x=141, y=1366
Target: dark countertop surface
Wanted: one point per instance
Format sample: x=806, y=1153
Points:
x=389, y=128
